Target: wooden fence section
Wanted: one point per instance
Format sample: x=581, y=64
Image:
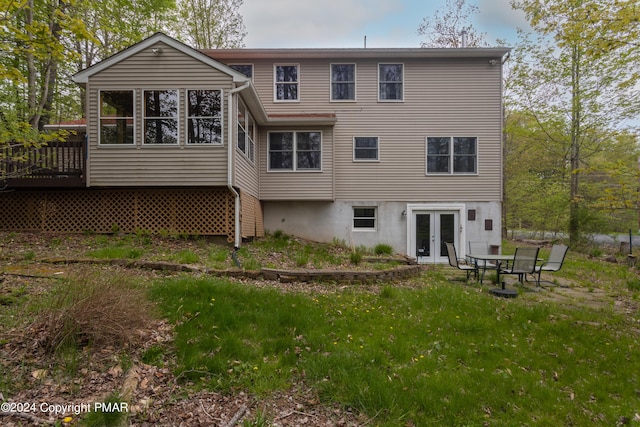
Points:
x=58, y=163
x=192, y=211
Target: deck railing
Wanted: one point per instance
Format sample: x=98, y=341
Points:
x=57, y=160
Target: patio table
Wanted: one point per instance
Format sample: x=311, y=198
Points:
x=498, y=259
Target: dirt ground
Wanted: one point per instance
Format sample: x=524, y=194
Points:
x=155, y=396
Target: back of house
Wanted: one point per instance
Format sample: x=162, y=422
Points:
x=364, y=146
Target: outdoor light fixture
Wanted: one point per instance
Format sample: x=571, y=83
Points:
x=404, y=213
x=493, y=62
x=156, y=50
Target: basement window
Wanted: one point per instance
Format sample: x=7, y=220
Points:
x=364, y=218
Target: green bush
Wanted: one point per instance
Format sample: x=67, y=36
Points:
x=355, y=257
x=383, y=249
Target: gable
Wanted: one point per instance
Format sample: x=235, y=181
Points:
x=158, y=46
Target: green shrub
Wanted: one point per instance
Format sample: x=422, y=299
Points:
x=355, y=257
x=383, y=249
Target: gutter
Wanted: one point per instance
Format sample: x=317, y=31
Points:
x=230, y=149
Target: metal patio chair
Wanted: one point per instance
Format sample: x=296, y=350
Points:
x=460, y=263
x=554, y=263
x=524, y=262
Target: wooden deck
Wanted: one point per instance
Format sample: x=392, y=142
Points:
x=57, y=164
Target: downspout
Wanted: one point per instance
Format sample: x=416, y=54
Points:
x=230, y=149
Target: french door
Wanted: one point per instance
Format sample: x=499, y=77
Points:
x=431, y=230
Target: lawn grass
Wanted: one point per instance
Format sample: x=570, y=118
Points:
x=429, y=351
x=436, y=354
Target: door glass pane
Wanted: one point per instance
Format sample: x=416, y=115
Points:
x=447, y=232
x=423, y=235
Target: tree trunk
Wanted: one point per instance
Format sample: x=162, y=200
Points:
x=32, y=90
x=51, y=77
x=574, y=193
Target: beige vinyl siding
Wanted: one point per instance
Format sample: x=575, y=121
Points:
x=455, y=98
x=149, y=165
x=298, y=185
x=442, y=97
x=246, y=172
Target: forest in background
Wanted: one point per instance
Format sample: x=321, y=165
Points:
x=571, y=100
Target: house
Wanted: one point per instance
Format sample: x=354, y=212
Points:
x=366, y=146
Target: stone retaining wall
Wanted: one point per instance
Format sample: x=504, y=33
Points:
x=284, y=276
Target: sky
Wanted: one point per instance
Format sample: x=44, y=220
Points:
x=346, y=23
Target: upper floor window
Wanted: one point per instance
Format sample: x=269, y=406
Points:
x=204, y=117
x=160, y=116
x=286, y=80
x=343, y=82
x=295, y=151
x=452, y=155
x=365, y=148
x=390, y=81
x=246, y=69
x=116, y=117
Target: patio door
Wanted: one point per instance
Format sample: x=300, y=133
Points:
x=431, y=230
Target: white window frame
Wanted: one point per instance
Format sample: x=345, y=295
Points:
x=221, y=118
x=276, y=83
x=450, y=156
x=101, y=117
x=248, y=130
x=380, y=99
x=355, y=85
x=354, y=218
x=365, y=160
x=294, y=167
x=176, y=117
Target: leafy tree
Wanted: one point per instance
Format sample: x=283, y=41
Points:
x=32, y=55
x=535, y=175
x=447, y=29
x=33, y=52
x=579, y=92
x=213, y=23
x=611, y=182
x=110, y=24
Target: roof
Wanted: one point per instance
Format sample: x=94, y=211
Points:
x=351, y=53
x=82, y=77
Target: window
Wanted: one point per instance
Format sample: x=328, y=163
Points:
x=364, y=218
x=246, y=131
x=390, y=79
x=365, y=148
x=448, y=155
x=286, y=82
x=160, y=116
x=246, y=69
x=116, y=117
x=204, y=121
x=343, y=82
x=295, y=151
x=241, y=134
